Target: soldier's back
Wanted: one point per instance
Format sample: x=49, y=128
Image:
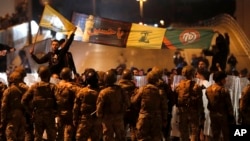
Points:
x=44, y=95
x=88, y=97
x=113, y=99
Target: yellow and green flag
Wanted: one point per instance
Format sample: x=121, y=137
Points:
x=53, y=20
x=146, y=37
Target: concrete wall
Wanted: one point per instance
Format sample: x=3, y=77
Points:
x=242, y=15
x=100, y=57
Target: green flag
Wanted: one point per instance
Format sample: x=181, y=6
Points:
x=188, y=38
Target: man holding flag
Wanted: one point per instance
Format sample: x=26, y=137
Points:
x=53, y=20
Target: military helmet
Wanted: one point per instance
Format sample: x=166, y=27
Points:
x=152, y=77
x=91, y=77
x=15, y=77
x=188, y=71
x=65, y=73
x=43, y=72
x=219, y=75
x=127, y=74
x=21, y=70
x=110, y=77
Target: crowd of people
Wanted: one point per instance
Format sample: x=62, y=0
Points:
x=99, y=105
x=104, y=107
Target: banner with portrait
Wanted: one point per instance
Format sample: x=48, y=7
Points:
x=101, y=30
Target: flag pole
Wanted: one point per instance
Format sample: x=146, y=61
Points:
x=39, y=29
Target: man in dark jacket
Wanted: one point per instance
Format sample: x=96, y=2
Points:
x=55, y=58
x=68, y=59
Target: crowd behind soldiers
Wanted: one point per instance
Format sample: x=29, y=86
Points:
x=99, y=106
x=104, y=107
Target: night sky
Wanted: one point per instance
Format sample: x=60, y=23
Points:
x=153, y=10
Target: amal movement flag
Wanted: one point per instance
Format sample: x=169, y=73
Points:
x=188, y=38
x=53, y=20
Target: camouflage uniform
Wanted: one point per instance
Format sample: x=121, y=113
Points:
x=42, y=96
x=89, y=125
x=131, y=114
x=191, y=112
x=12, y=114
x=29, y=128
x=2, y=88
x=245, y=106
x=220, y=107
x=166, y=91
x=153, y=110
x=65, y=96
x=190, y=106
x=111, y=106
x=84, y=110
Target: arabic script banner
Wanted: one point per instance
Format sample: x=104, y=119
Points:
x=123, y=34
x=100, y=30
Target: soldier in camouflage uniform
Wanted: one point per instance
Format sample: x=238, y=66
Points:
x=2, y=128
x=89, y=126
x=244, y=108
x=190, y=105
x=12, y=114
x=128, y=85
x=44, y=107
x=112, y=103
x=220, y=107
x=29, y=129
x=65, y=96
x=166, y=90
x=153, y=110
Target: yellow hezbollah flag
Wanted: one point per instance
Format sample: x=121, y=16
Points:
x=53, y=20
x=147, y=37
